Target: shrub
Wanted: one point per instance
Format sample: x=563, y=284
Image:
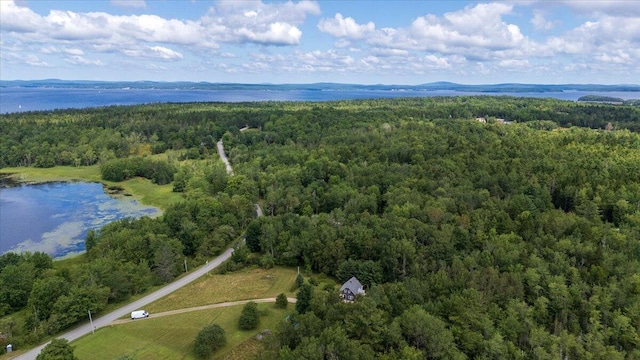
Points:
x=209, y=339
x=58, y=349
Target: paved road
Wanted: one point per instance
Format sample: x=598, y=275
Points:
x=203, y=307
x=136, y=305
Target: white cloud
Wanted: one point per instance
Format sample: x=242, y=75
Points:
x=482, y=38
x=345, y=27
x=617, y=57
x=606, y=34
x=329, y=60
x=152, y=36
x=478, y=26
x=389, y=52
x=473, y=31
x=481, y=34
x=514, y=63
x=79, y=60
x=256, y=22
x=256, y=66
x=49, y=50
x=152, y=52
x=35, y=61
x=164, y=53
x=18, y=58
x=17, y=18
x=129, y=3
x=539, y=22
x=277, y=33
x=74, y=51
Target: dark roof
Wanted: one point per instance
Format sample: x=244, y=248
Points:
x=354, y=285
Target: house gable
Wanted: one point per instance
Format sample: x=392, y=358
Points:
x=351, y=288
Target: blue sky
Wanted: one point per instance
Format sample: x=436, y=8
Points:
x=366, y=42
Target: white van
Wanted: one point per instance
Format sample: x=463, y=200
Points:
x=139, y=314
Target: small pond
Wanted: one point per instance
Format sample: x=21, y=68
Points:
x=55, y=217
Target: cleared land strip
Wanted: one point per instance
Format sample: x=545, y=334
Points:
x=203, y=307
x=223, y=156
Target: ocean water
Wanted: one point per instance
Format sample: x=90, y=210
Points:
x=20, y=99
x=55, y=217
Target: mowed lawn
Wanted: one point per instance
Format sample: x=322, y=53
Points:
x=245, y=284
x=171, y=337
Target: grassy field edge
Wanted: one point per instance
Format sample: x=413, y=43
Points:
x=143, y=190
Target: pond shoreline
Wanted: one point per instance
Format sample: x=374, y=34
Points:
x=65, y=211
x=9, y=180
x=133, y=188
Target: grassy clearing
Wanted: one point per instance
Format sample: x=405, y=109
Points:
x=171, y=337
x=254, y=283
x=78, y=260
x=148, y=193
x=144, y=190
x=58, y=173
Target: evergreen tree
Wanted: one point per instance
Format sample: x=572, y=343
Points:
x=250, y=317
x=303, y=299
x=281, y=301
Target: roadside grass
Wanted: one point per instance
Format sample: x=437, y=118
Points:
x=171, y=337
x=144, y=190
x=245, y=284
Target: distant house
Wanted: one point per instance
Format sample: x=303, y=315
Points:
x=482, y=120
x=350, y=289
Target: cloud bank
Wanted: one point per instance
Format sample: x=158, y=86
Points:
x=297, y=39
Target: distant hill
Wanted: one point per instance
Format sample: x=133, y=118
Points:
x=435, y=86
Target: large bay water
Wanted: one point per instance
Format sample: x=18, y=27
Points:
x=55, y=217
x=20, y=99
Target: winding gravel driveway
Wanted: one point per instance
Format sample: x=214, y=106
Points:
x=223, y=156
x=203, y=307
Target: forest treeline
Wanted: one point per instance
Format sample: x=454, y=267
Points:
x=474, y=240
x=88, y=136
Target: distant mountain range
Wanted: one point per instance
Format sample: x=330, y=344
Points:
x=435, y=86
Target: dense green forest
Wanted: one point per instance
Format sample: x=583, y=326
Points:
x=474, y=240
x=600, y=98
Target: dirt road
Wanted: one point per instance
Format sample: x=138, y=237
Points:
x=204, y=307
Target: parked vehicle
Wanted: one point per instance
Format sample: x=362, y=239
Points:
x=139, y=314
